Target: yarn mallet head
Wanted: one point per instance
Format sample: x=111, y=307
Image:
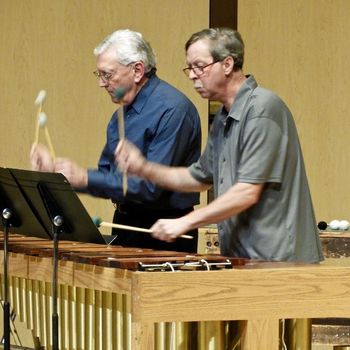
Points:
x=96, y=220
x=42, y=120
x=40, y=98
x=119, y=93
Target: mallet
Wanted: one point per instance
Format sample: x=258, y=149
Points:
x=39, y=101
x=99, y=223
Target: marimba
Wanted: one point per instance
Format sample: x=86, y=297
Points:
x=112, y=297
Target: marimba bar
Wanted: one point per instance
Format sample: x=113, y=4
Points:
x=102, y=319
x=112, y=299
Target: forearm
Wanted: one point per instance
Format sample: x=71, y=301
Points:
x=75, y=174
x=172, y=178
x=236, y=200
x=130, y=159
x=108, y=184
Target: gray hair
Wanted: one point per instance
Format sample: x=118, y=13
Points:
x=129, y=47
x=223, y=42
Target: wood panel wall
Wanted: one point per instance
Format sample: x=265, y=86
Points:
x=48, y=44
x=300, y=49
x=297, y=48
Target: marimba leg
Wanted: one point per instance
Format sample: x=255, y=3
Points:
x=142, y=336
x=262, y=334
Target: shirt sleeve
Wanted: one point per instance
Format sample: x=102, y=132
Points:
x=176, y=135
x=106, y=180
x=202, y=169
x=264, y=150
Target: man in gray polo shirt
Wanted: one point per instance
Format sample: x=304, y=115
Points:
x=253, y=159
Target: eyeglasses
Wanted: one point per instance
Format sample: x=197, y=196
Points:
x=105, y=76
x=198, y=70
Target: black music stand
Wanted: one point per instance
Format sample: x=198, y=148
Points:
x=12, y=197
x=34, y=185
x=17, y=215
x=49, y=207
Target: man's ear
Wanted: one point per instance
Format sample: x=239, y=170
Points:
x=139, y=71
x=228, y=64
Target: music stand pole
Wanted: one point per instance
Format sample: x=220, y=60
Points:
x=57, y=227
x=6, y=215
x=57, y=223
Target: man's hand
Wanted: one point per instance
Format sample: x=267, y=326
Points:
x=76, y=175
x=129, y=159
x=40, y=158
x=170, y=229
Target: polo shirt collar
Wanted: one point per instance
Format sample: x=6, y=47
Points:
x=243, y=94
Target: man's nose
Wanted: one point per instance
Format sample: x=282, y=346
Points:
x=192, y=75
x=102, y=82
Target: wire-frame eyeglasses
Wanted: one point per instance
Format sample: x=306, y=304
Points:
x=198, y=70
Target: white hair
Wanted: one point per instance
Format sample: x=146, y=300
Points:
x=129, y=47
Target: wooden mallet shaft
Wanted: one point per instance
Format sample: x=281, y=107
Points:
x=129, y=228
x=49, y=142
x=119, y=94
x=42, y=122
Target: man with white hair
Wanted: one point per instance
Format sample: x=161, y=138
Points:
x=159, y=119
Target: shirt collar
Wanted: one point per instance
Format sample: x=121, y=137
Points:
x=242, y=96
x=144, y=94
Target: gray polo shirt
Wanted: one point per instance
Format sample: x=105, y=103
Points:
x=257, y=142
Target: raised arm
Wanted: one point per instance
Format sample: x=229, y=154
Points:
x=130, y=159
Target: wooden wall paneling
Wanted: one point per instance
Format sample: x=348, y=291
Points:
x=300, y=50
x=48, y=45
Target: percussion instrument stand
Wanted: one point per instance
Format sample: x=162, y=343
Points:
x=58, y=226
x=57, y=223
x=6, y=216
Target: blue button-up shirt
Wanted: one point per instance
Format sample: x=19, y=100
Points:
x=164, y=124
